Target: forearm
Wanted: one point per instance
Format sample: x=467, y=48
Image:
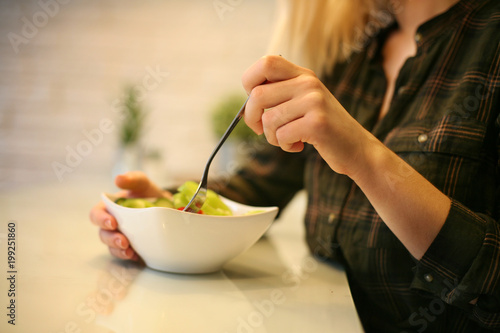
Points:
x=408, y=204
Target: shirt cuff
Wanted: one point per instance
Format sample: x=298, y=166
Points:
x=440, y=272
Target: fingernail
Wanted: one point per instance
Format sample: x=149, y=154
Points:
x=127, y=254
x=108, y=224
x=119, y=243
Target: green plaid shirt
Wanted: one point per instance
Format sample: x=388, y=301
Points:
x=444, y=121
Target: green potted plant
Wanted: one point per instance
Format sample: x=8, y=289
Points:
x=224, y=112
x=133, y=117
x=130, y=131
x=236, y=148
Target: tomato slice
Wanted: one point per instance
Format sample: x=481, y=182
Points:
x=199, y=212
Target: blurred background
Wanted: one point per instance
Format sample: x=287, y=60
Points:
x=67, y=67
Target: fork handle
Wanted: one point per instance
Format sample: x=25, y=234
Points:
x=231, y=127
x=191, y=206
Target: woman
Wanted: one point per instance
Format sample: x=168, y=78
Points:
x=395, y=136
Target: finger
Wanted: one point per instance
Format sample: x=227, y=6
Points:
x=264, y=97
x=133, y=181
x=270, y=69
x=272, y=96
x=100, y=217
x=114, y=239
x=126, y=254
x=295, y=147
x=279, y=116
x=291, y=137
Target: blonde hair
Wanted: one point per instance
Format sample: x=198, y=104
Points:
x=319, y=33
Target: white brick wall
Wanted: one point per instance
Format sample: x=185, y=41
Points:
x=63, y=80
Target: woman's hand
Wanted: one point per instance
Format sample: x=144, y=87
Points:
x=293, y=107
x=134, y=184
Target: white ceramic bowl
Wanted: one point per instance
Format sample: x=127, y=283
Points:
x=174, y=241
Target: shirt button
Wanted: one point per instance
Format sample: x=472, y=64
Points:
x=422, y=138
x=428, y=277
x=418, y=38
x=331, y=218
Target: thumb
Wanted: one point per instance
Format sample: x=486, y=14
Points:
x=137, y=184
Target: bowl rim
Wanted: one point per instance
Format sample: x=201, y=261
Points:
x=108, y=197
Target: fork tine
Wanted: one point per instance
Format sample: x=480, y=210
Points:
x=197, y=201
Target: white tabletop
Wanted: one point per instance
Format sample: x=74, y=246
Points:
x=64, y=280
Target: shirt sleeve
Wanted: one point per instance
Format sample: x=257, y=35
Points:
x=462, y=265
x=268, y=177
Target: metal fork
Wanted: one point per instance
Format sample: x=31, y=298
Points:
x=200, y=195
